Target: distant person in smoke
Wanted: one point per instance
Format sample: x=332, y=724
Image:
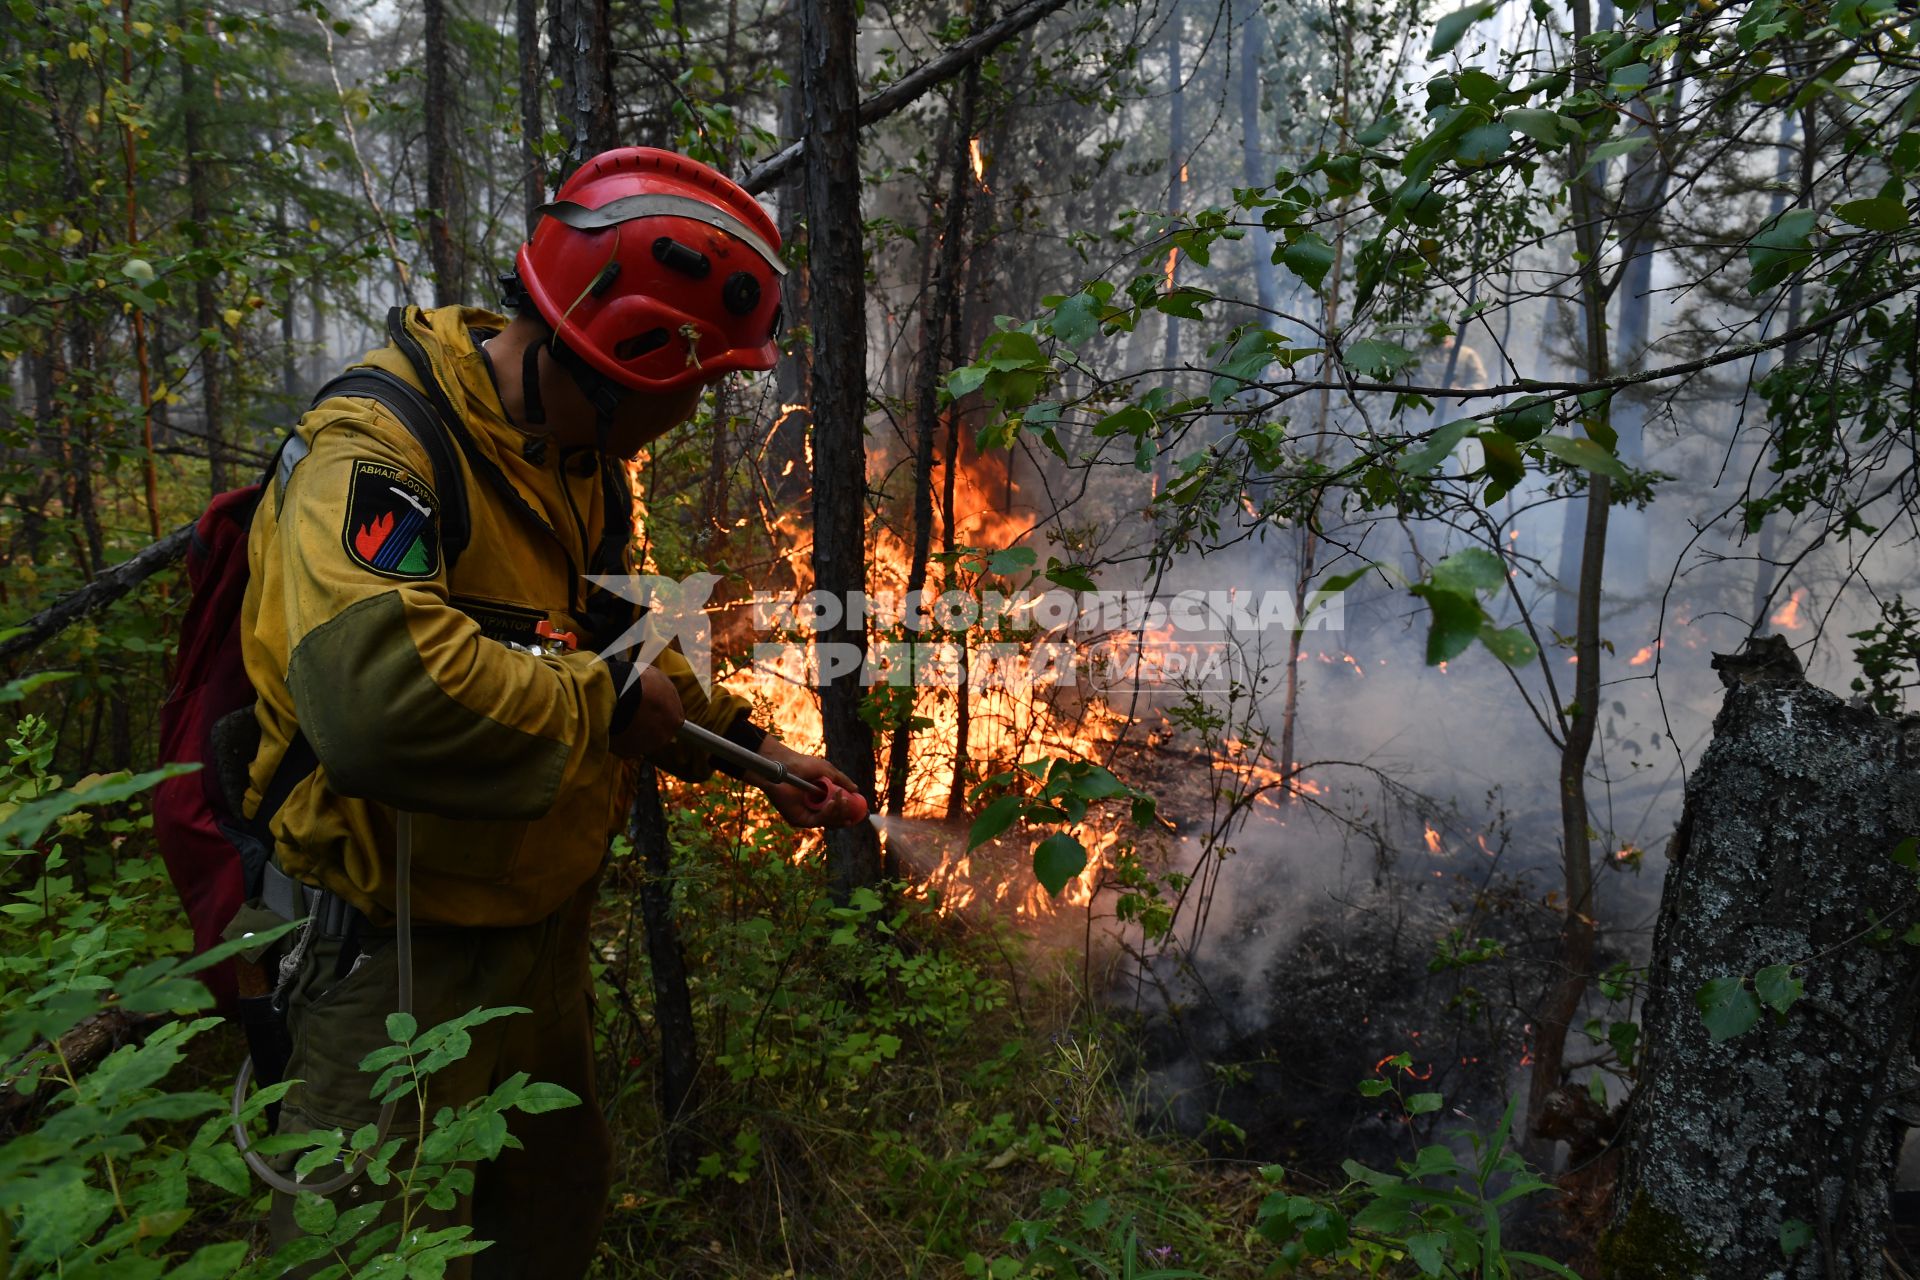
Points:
x=475, y=698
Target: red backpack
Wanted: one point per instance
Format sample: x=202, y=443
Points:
x=215, y=855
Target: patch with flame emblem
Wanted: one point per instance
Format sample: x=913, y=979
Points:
x=393, y=524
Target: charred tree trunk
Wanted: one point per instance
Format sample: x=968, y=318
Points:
x=444, y=246
x=837, y=314
x=1781, y=859
x=786, y=449
x=672, y=997
x=526, y=26
x=940, y=316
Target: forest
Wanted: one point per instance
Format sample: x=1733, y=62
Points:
x=1355, y=550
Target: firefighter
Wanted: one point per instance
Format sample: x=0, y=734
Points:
x=481, y=700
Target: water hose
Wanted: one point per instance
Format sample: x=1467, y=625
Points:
x=403, y=942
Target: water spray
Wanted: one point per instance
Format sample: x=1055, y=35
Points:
x=772, y=771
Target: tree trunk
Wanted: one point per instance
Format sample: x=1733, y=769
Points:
x=581, y=46
x=1253, y=163
x=939, y=313
x=1176, y=201
x=526, y=20
x=1782, y=858
x=444, y=244
x=194, y=114
x=837, y=314
x=1579, y=930
x=672, y=997
x=1766, y=576
x=786, y=450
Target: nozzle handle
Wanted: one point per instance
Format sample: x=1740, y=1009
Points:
x=753, y=762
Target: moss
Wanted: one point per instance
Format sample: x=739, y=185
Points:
x=1649, y=1244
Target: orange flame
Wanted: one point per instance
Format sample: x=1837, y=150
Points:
x=1433, y=838
x=979, y=160
x=1788, y=618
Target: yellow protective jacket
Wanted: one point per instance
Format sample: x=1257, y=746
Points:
x=401, y=674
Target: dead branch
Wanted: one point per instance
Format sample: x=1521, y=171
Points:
x=109, y=586
x=910, y=86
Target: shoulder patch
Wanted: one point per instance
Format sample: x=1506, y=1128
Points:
x=393, y=522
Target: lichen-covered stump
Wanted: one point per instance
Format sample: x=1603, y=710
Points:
x=1769, y=1153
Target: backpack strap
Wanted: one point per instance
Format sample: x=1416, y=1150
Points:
x=425, y=422
x=606, y=613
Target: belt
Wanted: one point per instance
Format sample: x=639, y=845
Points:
x=290, y=899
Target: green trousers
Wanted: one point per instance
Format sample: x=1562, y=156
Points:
x=541, y=1205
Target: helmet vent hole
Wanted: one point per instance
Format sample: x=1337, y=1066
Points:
x=641, y=344
x=686, y=260
x=741, y=294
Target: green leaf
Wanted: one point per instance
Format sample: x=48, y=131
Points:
x=1907, y=853
x=401, y=1027
x=1373, y=1088
x=1437, y=448
x=541, y=1097
x=1428, y=1251
x=1545, y=127
x=1011, y=560
x=1058, y=859
x=1071, y=576
x=1476, y=85
x=1583, y=453
x=24, y=826
x=994, y=819
x=1457, y=620
x=1882, y=213
x=1630, y=81
x=967, y=378
x=1099, y=784
x=1512, y=646
x=1421, y=1104
x=1483, y=144
x=1777, y=987
x=1727, y=1007
x=1377, y=358
x=138, y=270
x=1469, y=570
x=1077, y=319
x=1779, y=250
x=1794, y=1236
x=1609, y=150
x=1448, y=31
x=1310, y=257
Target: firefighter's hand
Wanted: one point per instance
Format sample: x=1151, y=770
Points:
x=801, y=809
x=656, y=719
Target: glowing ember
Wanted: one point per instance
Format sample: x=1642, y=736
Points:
x=1645, y=655
x=979, y=162
x=1433, y=838
x=1788, y=618
x=1173, y=259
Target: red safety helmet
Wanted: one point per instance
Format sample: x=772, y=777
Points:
x=654, y=271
